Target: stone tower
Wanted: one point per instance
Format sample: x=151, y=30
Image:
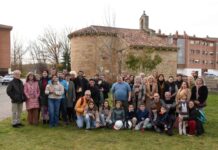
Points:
x=144, y=22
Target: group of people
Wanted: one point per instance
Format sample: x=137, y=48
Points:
x=138, y=102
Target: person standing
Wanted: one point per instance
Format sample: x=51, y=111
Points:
x=121, y=91
x=162, y=85
x=151, y=88
x=179, y=80
x=104, y=88
x=32, y=93
x=16, y=93
x=43, y=97
x=95, y=92
x=63, y=106
x=199, y=94
x=81, y=84
x=71, y=97
x=54, y=90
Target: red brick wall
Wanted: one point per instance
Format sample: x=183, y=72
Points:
x=4, y=48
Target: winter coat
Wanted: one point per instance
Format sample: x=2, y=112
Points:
x=170, y=104
x=81, y=105
x=71, y=94
x=15, y=91
x=32, y=92
x=130, y=115
x=95, y=94
x=105, y=86
x=142, y=115
x=202, y=95
x=43, y=97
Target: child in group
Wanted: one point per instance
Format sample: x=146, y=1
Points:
x=195, y=126
x=142, y=117
x=131, y=117
x=118, y=115
x=153, y=114
x=91, y=116
x=105, y=114
x=162, y=120
x=183, y=113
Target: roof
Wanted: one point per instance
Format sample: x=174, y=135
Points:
x=5, y=27
x=133, y=37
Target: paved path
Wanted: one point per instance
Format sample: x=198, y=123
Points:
x=5, y=103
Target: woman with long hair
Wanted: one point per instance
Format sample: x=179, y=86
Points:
x=32, y=92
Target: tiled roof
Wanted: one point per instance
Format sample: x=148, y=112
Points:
x=5, y=27
x=133, y=37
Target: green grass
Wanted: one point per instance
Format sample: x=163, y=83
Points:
x=71, y=138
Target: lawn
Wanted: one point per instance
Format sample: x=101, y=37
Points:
x=71, y=138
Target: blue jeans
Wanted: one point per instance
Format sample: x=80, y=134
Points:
x=63, y=109
x=90, y=123
x=80, y=121
x=53, y=107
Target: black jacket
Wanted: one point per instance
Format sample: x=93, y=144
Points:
x=80, y=82
x=202, y=95
x=130, y=115
x=15, y=90
x=95, y=94
x=105, y=85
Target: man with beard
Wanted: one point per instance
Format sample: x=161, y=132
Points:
x=178, y=81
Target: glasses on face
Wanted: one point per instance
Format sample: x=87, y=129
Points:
x=88, y=94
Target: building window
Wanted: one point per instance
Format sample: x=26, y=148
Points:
x=196, y=61
x=211, y=62
x=192, y=51
x=203, y=52
x=197, y=42
x=211, y=45
x=192, y=42
x=198, y=51
x=211, y=53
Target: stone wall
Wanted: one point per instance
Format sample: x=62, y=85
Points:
x=168, y=66
x=102, y=54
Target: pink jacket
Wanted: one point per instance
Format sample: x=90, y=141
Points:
x=32, y=92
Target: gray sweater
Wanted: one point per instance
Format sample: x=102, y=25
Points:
x=118, y=114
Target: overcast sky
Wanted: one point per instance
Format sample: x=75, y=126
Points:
x=30, y=17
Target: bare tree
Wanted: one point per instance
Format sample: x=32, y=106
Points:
x=109, y=45
x=65, y=46
x=52, y=45
x=18, y=52
x=38, y=54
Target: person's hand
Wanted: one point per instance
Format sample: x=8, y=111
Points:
x=197, y=102
x=129, y=99
x=51, y=89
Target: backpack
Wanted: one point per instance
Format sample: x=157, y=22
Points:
x=202, y=117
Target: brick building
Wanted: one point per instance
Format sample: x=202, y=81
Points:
x=101, y=49
x=197, y=54
x=5, y=49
